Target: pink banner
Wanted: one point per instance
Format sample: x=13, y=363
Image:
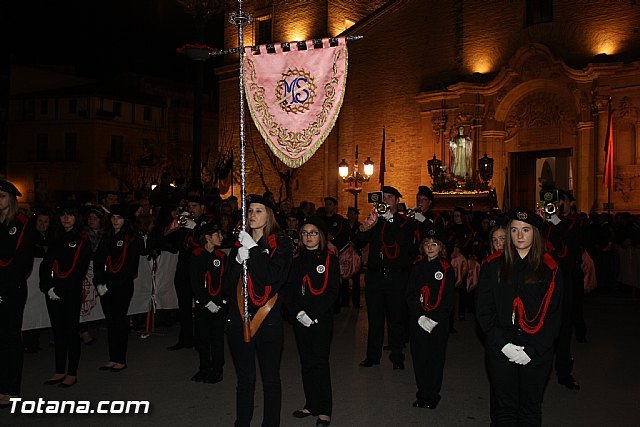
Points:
x=295, y=96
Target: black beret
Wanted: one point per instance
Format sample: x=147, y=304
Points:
x=119, y=209
x=67, y=207
x=425, y=191
x=391, y=190
x=527, y=216
x=437, y=234
x=318, y=222
x=207, y=228
x=93, y=209
x=195, y=199
x=331, y=199
x=256, y=198
x=460, y=209
x=8, y=187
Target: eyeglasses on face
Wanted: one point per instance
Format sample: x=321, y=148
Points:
x=306, y=233
x=432, y=244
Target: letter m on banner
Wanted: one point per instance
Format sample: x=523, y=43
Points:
x=295, y=96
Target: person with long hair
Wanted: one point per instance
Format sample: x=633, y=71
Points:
x=519, y=310
x=62, y=273
x=207, y=267
x=16, y=261
x=115, y=268
x=268, y=254
x=497, y=237
x=430, y=297
x=312, y=290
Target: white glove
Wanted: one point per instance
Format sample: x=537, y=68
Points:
x=418, y=216
x=0, y=299
x=52, y=295
x=387, y=215
x=190, y=224
x=102, y=289
x=246, y=240
x=521, y=358
x=243, y=255
x=511, y=350
x=212, y=307
x=304, y=319
x=427, y=323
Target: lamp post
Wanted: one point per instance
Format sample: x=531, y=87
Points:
x=434, y=166
x=485, y=167
x=355, y=178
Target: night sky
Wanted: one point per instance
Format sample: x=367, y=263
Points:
x=104, y=38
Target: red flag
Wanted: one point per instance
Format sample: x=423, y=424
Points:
x=608, y=149
x=382, y=160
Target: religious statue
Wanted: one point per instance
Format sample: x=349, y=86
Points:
x=460, y=148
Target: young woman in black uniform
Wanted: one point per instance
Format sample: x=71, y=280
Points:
x=115, y=268
x=519, y=310
x=268, y=254
x=430, y=298
x=16, y=261
x=62, y=272
x=313, y=288
x=206, y=267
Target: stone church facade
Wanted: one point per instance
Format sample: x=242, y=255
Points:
x=530, y=83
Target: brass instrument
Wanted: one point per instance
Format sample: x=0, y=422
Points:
x=549, y=200
x=183, y=218
x=411, y=212
x=550, y=209
x=381, y=208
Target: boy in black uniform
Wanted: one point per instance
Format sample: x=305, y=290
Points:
x=392, y=249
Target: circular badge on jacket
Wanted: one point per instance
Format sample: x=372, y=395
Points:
x=73, y=244
x=216, y=263
x=439, y=275
x=320, y=269
x=119, y=243
x=335, y=224
x=13, y=231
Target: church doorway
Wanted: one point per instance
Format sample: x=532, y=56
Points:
x=532, y=171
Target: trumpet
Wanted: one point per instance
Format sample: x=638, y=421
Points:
x=550, y=209
x=381, y=208
x=411, y=212
x=183, y=218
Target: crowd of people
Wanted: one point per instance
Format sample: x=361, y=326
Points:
x=522, y=274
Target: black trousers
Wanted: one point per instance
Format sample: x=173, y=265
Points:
x=385, y=298
x=115, y=304
x=428, y=351
x=516, y=391
x=210, y=338
x=11, y=357
x=267, y=345
x=564, y=360
x=185, y=306
x=65, y=319
x=314, y=345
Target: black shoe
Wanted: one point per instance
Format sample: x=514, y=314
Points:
x=367, y=363
x=420, y=404
x=298, y=413
x=398, y=365
x=569, y=382
x=432, y=404
x=114, y=369
x=54, y=382
x=199, y=377
x=213, y=378
x=320, y=422
x=180, y=346
x=65, y=385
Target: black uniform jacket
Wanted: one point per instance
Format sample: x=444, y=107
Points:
x=268, y=269
x=392, y=244
x=207, y=271
x=500, y=320
x=116, y=259
x=16, y=254
x=431, y=290
x=65, y=265
x=314, y=283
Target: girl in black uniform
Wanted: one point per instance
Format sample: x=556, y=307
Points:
x=16, y=261
x=430, y=298
x=268, y=254
x=519, y=309
x=62, y=272
x=207, y=266
x=313, y=288
x=116, y=265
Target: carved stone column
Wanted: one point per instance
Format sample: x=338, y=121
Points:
x=583, y=162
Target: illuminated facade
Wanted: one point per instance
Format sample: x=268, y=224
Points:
x=528, y=80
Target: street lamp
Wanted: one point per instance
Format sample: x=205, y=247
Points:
x=485, y=167
x=355, y=178
x=434, y=166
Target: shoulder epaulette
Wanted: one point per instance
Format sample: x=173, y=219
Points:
x=491, y=257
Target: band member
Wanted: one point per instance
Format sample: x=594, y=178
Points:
x=430, y=297
x=519, y=309
x=268, y=254
x=424, y=213
x=497, y=237
x=115, y=268
x=62, y=272
x=182, y=235
x=392, y=249
x=16, y=261
x=338, y=236
x=354, y=226
x=207, y=267
x=313, y=287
